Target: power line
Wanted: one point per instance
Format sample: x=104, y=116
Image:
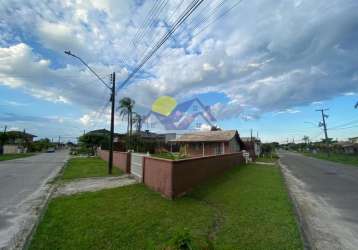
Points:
x=216, y=19
x=147, y=20
x=190, y=9
x=152, y=22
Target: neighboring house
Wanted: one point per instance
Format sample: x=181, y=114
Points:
x=349, y=147
x=253, y=145
x=18, y=137
x=190, y=115
x=353, y=140
x=16, y=142
x=144, y=140
x=210, y=143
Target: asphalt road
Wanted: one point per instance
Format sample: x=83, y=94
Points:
x=327, y=197
x=22, y=188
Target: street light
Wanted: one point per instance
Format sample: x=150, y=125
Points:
x=113, y=90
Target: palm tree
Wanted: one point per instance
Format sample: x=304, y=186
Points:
x=126, y=105
x=137, y=120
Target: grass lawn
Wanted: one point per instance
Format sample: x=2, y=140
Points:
x=246, y=208
x=14, y=156
x=341, y=158
x=82, y=167
x=267, y=159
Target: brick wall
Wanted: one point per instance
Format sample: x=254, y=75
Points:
x=121, y=160
x=175, y=178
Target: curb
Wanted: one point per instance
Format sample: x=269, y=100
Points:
x=306, y=239
x=27, y=233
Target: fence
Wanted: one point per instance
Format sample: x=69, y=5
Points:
x=174, y=178
x=121, y=160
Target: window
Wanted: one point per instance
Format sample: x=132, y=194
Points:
x=198, y=125
x=152, y=125
x=195, y=108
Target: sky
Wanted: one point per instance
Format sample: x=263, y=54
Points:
x=264, y=65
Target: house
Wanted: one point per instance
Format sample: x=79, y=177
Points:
x=144, y=141
x=190, y=115
x=253, y=145
x=210, y=143
x=349, y=147
x=353, y=140
x=18, y=137
x=16, y=142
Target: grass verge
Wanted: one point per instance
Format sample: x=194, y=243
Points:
x=340, y=158
x=15, y=156
x=246, y=208
x=83, y=167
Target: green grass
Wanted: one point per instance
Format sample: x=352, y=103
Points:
x=335, y=157
x=82, y=167
x=14, y=156
x=267, y=159
x=246, y=208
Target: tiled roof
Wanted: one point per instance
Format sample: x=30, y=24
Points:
x=207, y=136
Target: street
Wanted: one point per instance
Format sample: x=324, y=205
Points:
x=23, y=189
x=326, y=194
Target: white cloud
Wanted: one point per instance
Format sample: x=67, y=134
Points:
x=266, y=56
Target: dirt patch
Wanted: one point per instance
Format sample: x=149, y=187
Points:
x=93, y=184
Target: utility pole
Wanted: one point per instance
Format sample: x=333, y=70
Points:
x=5, y=129
x=323, y=123
x=113, y=96
x=324, y=116
x=251, y=134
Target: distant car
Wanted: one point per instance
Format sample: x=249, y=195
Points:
x=51, y=150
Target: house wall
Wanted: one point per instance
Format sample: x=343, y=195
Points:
x=10, y=149
x=196, y=149
x=121, y=160
x=175, y=178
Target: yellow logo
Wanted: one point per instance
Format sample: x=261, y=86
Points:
x=164, y=105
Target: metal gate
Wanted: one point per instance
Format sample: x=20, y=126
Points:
x=137, y=164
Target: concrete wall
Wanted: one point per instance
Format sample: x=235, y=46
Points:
x=11, y=149
x=121, y=160
x=175, y=178
x=157, y=174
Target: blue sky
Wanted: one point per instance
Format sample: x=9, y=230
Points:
x=266, y=66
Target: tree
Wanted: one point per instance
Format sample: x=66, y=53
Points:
x=126, y=106
x=91, y=141
x=137, y=121
x=306, y=139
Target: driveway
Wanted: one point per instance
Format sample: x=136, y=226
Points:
x=326, y=195
x=23, y=191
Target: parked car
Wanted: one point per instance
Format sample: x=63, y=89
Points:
x=51, y=150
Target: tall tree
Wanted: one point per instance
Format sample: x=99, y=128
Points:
x=126, y=106
x=137, y=120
